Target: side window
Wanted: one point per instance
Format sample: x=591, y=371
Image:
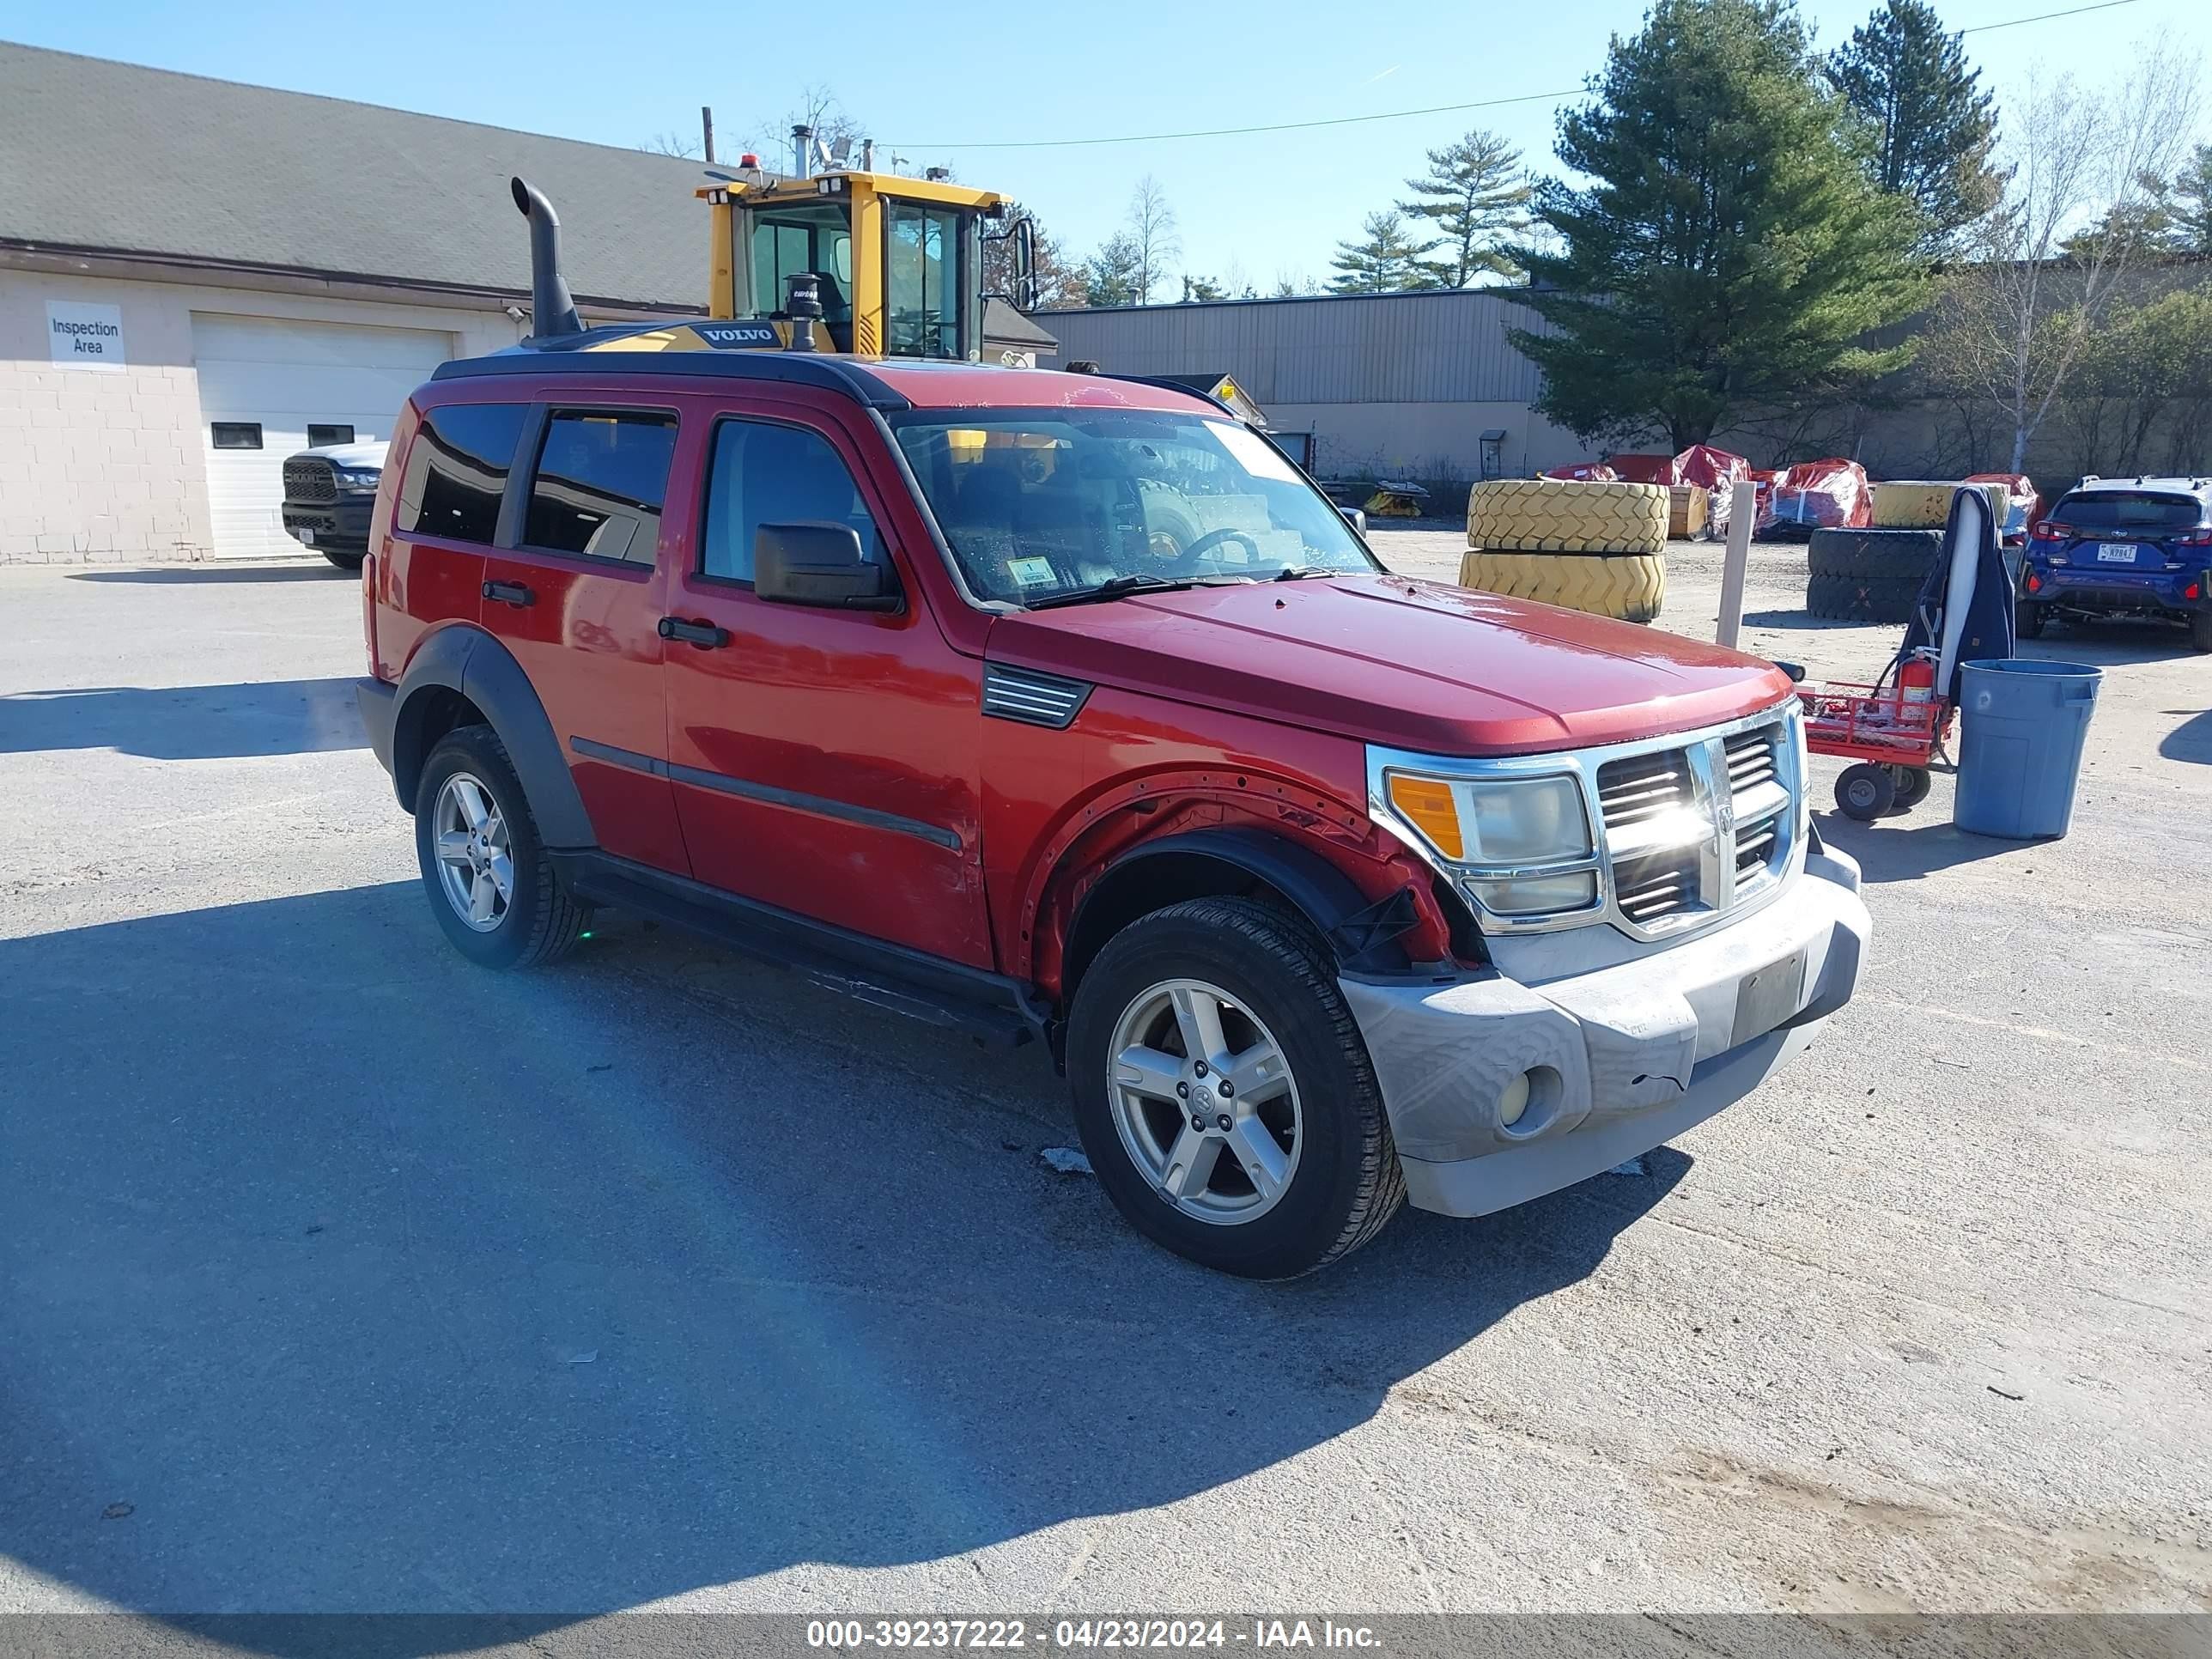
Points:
x=456, y=470
x=764, y=473
x=602, y=478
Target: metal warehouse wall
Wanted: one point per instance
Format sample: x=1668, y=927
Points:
x=1367, y=348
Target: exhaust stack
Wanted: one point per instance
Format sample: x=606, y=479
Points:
x=552, y=311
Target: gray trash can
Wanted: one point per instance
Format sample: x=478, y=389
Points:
x=2020, y=752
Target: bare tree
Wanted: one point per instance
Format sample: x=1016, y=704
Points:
x=671, y=143
x=816, y=107
x=1152, y=230
x=2082, y=172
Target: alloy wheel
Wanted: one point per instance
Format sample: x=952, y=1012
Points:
x=476, y=862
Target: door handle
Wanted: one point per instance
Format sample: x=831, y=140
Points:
x=703, y=634
x=514, y=593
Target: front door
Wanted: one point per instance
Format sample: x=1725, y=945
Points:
x=825, y=760
x=576, y=595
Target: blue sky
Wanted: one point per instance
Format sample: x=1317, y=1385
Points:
x=936, y=83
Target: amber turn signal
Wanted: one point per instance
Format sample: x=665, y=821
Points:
x=1429, y=807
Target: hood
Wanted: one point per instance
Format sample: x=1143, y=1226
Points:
x=1411, y=664
x=370, y=452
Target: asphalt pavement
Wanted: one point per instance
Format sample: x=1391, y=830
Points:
x=342, y=1276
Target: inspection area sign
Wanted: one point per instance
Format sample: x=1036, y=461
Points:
x=85, y=337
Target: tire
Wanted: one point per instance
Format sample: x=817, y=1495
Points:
x=1342, y=1181
x=1865, y=792
x=1884, y=554
x=1915, y=504
x=537, y=922
x=344, y=560
x=2028, y=619
x=1848, y=599
x=1912, y=784
x=1632, y=587
x=2200, y=630
x=1565, y=516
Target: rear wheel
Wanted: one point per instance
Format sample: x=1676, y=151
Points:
x=1223, y=1093
x=2028, y=618
x=2200, y=630
x=491, y=886
x=1865, y=792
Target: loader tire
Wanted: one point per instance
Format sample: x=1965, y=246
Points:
x=1862, y=598
x=1916, y=504
x=1883, y=555
x=1629, y=586
x=1565, y=516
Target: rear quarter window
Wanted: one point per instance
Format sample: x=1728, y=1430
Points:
x=2123, y=510
x=456, y=470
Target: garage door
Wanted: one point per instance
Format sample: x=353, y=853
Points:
x=264, y=382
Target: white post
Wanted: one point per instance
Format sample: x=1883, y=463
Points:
x=1743, y=508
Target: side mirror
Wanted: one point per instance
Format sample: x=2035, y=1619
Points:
x=820, y=564
x=1356, y=517
x=1026, y=281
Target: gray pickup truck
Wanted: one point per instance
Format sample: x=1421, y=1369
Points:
x=328, y=493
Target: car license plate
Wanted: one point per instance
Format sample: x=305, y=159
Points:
x=2118, y=553
x=307, y=537
x=1764, y=1000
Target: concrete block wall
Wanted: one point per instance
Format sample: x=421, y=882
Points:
x=109, y=466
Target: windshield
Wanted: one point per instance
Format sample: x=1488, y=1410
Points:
x=1045, y=502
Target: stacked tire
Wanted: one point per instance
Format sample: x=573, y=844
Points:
x=1599, y=548
x=1920, y=504
x=1868, y=575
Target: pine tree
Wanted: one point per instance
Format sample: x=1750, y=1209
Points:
x=1726, y=253
x=1388, y=262
x=2188, y=204
x=1110, y=276
x=1475, y=194
x=1930, y=126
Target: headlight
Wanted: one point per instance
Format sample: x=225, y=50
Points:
x=1519, y=846
x=356, y=480
x=1519, y=821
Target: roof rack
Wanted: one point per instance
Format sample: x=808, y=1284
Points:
x=596, y=353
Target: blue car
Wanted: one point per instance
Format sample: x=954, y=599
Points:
x=2123, y=547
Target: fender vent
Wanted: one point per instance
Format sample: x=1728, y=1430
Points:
x=1023, y=694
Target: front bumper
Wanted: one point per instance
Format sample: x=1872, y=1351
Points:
x=342, y=525
x=1620, y=1060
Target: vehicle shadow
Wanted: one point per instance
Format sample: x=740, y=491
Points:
x=1889, y=849
x=2110, y=644
x=194, y=576
x=187, y=722
x=348, y=1276
x=2191, y=740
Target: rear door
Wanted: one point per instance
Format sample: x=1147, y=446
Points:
x=825, y=760
x=574, y=591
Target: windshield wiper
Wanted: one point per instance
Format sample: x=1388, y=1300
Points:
x=1114, y=587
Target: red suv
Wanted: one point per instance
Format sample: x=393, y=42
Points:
x=1055, y=705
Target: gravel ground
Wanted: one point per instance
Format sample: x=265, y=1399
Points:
x=342, y=1276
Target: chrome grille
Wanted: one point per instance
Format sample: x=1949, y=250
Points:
x=1023, y=694
x=1642, y=800
x=1751, y=758
x=308, y=479
x=1641, y=787
x=1656, y=886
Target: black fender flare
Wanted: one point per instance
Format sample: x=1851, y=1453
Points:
x=1361, y=933
x=472, y=664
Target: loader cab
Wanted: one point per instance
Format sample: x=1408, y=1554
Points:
x=898, y=261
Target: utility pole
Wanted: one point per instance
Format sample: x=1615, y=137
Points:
x=707, y=130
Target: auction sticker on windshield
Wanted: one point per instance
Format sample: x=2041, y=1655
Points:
x=1032, y=573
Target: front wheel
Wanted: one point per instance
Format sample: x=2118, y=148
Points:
x=491, y=886
x=1865, y=792
x=1223, y=1093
